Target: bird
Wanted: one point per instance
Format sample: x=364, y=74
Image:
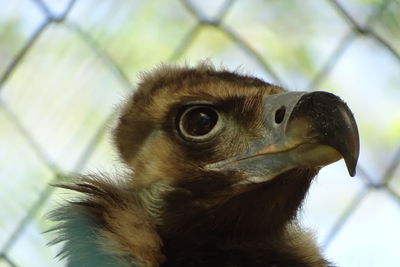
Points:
x=218, y=164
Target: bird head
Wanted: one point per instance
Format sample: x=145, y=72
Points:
x=228, y=151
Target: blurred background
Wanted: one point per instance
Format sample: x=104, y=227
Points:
x=65, y=65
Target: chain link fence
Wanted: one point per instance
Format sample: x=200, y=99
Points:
x=55, y=114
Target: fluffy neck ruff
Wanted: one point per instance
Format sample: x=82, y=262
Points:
x=108, y=227
x=258, y=212
x=161, y=226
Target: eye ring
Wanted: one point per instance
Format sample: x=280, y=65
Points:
x=199, y=123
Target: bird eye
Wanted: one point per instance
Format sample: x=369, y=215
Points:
x=199, y=123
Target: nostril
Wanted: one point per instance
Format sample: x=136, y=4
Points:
x=280, y=114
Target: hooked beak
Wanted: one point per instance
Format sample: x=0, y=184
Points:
x=300, y=130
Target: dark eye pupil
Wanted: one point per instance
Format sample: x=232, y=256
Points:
x=199, y=121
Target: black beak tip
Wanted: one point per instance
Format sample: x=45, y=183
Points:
x=351, y=169
x=351, y=162
x=352, y=152
x=333, y=120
